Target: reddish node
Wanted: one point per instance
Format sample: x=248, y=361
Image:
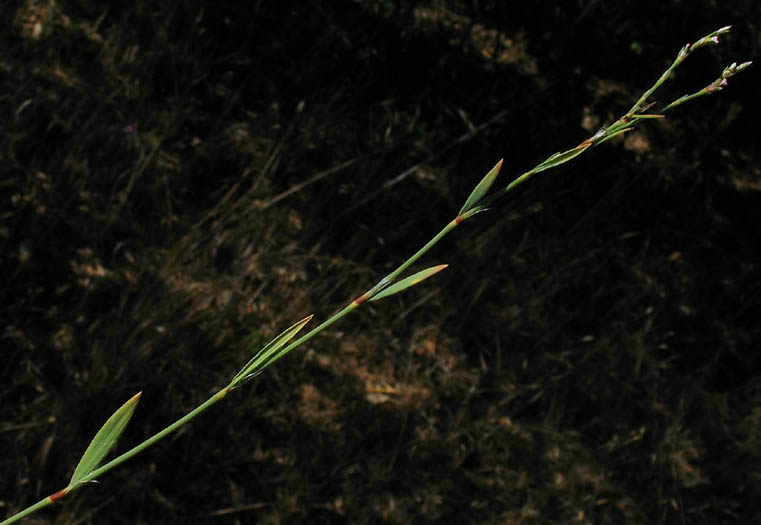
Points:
x=58, y=495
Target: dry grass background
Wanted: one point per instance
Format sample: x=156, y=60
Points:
x=177, y=177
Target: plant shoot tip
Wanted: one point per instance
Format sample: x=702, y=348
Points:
x=743, y=66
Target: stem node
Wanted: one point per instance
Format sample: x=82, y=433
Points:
x=58, y=495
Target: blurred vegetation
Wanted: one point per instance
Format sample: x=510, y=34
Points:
x=179, y=176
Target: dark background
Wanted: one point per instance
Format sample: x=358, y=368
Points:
x=178, y=174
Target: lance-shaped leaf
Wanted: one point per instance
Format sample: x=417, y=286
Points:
x=561, y=158
x=482, y=188
x=405, y=283
x=104, y=440
x=268, y=354
x=647, y=116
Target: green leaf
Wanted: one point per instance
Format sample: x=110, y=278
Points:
x=268, y=354
x=104, y=440
x=482, y=188
x=561, y=158
x=649, y=115
x=412, y=280
x=615, y=134
x=618, y=126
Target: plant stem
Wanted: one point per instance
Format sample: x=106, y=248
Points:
x=417, y=255
x=375, y=289
x=223, y=392
x=155, y=438
x=120, y=459
x=620, y=126
x=29, y=510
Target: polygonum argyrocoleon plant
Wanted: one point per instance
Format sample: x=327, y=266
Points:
x=90, y=468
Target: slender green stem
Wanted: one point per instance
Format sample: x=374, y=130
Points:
x=513, y=184
x=322, y=326
x=29, y=510
x=682, y=100
x=222, y=393
x=155, y=438
x=417, y=255
x=120, y=459
x=375, y=289
x=666, y=74
x=622, y=125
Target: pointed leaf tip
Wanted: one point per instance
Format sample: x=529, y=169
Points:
x=270, y=353
x=104, y=440
x=482, y=188
x=407, y=282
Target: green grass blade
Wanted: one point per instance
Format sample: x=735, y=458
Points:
x=405, y=283
x=561, y=158
x=268, y=354
x=482, y=188
x=104, y=440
